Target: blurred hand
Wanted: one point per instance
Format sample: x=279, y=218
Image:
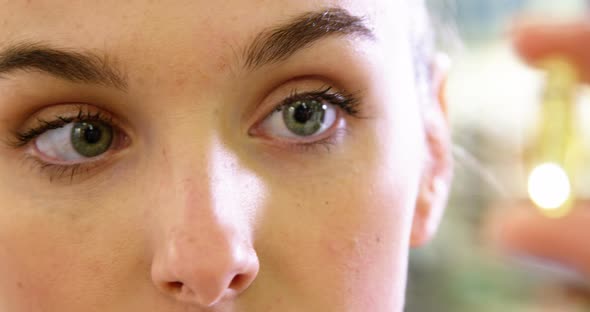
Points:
x=521, y=228
x=535, y=41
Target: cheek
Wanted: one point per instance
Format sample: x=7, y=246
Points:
x=367, y=249
x=341, y=237
x=346, y=250
x=51, y=260
x=32, y=262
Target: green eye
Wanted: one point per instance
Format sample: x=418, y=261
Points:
x=91, y=139
x=304, y=118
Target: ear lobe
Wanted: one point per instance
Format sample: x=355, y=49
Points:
x=429, y=210
x=437, y=174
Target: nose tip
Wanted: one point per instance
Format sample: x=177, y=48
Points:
x=205, y=277
x=208, y=287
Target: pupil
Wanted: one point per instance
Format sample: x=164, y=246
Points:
x=303, y=113
x=92, y=134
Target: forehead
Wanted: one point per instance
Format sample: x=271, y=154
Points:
x=134, y=19
x=173, y=35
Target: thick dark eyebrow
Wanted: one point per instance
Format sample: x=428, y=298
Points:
x=280, y=42
x=74, y=66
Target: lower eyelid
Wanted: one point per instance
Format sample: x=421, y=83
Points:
x=56, y=172
x=338, y=129
x=325, y=144
x=77, y=171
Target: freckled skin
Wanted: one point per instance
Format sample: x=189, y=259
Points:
x=195, y=214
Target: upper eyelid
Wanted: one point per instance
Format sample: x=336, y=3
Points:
x=349, y=102
x=23, y=138
x=296, y=95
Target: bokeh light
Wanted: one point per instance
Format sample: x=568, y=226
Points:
x=549, y=186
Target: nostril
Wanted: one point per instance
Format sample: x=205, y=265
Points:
x=174, y=287
x=238, y=282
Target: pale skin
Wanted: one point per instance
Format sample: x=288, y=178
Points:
x=197, y=205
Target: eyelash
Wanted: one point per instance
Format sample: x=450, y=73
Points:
x=24, y=138
x=346, y=102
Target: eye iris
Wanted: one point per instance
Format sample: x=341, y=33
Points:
x=91, y=139
x=304, y=118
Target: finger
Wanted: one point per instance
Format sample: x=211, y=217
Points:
x=536, y=41
x=523, y=230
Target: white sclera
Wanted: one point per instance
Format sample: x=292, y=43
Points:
x=57, y=144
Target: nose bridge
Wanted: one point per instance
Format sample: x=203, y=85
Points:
x=205, y=251
x=186, y=165
x=204, y=186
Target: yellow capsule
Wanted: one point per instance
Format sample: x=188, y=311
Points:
x=554, y=153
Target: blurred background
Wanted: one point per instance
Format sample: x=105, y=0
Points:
x=494, y=101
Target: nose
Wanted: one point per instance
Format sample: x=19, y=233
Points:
x=203, y=252
x=202, y=267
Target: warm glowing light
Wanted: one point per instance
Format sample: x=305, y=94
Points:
x=549, y=186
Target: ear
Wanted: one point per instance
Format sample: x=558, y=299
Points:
x=437, y=174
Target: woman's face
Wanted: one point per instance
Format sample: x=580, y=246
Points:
x=211, y=155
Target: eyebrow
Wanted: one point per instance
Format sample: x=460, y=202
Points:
x=269, y=46
x=281, y=42
x=75, y=66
